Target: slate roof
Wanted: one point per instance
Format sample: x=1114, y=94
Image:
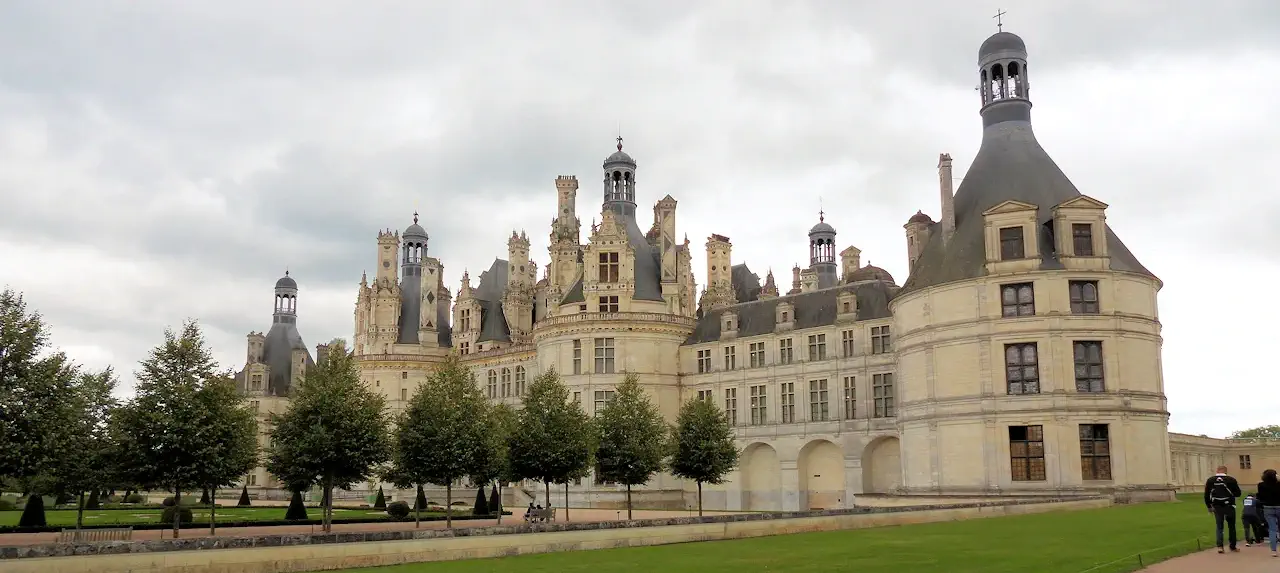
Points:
x=1010, y=165
x=812, y=309
x=277, y=353
x=489, y=293
x=648, y=267
x=746, y=284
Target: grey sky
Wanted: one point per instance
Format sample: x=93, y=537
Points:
x=160, y=160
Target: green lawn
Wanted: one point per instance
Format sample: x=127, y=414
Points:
x=67, y=517
x=1059, y=542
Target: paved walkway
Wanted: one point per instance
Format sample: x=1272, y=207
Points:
x=1256, y=559
x=517, y=516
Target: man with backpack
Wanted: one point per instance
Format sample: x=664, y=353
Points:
x=1220, y=493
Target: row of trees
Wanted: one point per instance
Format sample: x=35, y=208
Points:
x=187, y=427
x=64, y=434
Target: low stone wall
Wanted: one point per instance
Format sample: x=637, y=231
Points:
x=295, y=553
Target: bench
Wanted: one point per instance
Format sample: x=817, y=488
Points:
x=96, y=534
x=548, y=514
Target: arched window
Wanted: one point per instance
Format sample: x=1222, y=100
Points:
x=493, y=384
x=519, y=380
x=506, y=382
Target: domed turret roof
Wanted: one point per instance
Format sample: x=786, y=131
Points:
x=870, y=273
x=1002, y=42
x=287, y=282
x=415, y=230
x=619, y=156
x=920, y=217
x=822, y=228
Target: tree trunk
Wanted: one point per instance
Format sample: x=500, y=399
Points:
x=448, y=504
x=699, y=499
x=80, y=512
x=213, y=496
x=628, y=501
x=177, y=508
x=547, y=484
x=566, y=500
x=325, y=512
x=499, y=486
x=417, y=510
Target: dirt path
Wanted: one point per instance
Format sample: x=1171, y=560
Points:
x=1256, y=559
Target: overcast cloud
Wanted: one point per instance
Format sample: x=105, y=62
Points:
x=162, y=160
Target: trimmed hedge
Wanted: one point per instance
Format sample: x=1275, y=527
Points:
x=221, y=524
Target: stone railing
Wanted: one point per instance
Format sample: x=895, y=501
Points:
x=672, y=319
x=278, y=540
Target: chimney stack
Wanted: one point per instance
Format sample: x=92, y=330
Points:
x=948, y=219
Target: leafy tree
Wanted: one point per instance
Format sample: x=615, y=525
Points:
x=37, y=404
x=161, y=431
x=442, y=436
x=703, y=449
x=334, y=432
x=1266, y=432
x=497, y=467
x=554, y=439
x=229, y=433
x=88, y=456
x=633, y=437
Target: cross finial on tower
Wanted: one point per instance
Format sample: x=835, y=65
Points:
x=286, y=271
x=999, y=19
x=821, y=213
x=415, y=217
x=619, y=142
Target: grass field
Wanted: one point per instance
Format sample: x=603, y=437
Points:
x=1059, y=542
x=67, y=517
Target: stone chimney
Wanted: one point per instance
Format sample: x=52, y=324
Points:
x=945, y=189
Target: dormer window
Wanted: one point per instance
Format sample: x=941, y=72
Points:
x=786, y=316
x=728, y=324
x=609, y=267
x=1011, y=244
x=1082, y=239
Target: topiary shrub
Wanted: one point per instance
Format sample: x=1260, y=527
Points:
x=33, y=513
x=169, y=502
x=495, y=501
x=204, y=497
x=134, y=498
x=381, y=501
x=115, y=499
x=184, y=515
x=92, y=501
x=297, y=510
x=482, y=503
x=244, y=497
x=398, y=509
x=420, y=503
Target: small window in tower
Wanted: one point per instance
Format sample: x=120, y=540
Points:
x=1011, y=246
x=404, y=375
x=609, y=267
x=1082, y=239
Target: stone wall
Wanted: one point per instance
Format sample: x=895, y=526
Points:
x=293, y=553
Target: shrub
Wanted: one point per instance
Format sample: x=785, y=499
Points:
x=33, y=513
x=6, y=505
x=244, y=497
x=184, y=515
x=168, y=502
x=297, y=510
x=482, y=503
x=115, y=499
x=398, y=509
x=134, y=498
x=381, y=501
x=92, y=501
x=421, y=502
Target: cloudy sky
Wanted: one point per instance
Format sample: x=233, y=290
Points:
x=162, y=160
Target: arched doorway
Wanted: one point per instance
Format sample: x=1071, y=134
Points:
x=821, y=468
x=761, y=478
x=881, y=466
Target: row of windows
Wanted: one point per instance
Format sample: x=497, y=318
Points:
x=1026, y=452
x=1022, y=367
x=1013, y=243
x=506, y=388
x=817, y=346
x=823, y=406
x=603, y=352
x=1020, y=299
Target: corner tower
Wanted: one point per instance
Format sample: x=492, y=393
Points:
x=1047, y=375
x=276, y=360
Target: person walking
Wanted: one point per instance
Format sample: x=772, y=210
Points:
x=1220, y=493
x=1269, y=498
x=1251, y=521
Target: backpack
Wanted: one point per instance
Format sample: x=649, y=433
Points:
x=1220, y=493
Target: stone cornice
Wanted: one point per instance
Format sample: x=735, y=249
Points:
x=613, y=322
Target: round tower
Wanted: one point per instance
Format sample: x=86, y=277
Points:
x=620, y=182
x=822, y=252
x=286, y=310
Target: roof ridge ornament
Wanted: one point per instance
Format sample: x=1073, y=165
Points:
x=999, y=18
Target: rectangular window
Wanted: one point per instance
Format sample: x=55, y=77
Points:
x=608, y=304
x=704, y=361
x=577, y=356
x=1011, y=247
x=1082, y=239
x=818, y=403
x=785, y=317
x=577, y=397
x=464, y=348
x=706, y=395
x=731, y=405
x=1095, y=452
x=730, y=357
x=846, y=343
x=817, y=347
x=759, y=404
x=465, y=319
x=757, y=354
x=1084, y=297
x=603, y=397
x=1017, y=300
x=492, y=385
x=520, y=379
x=604, y=356
x=1088, y=358
x=404, y=375
x=404, y=394
x=785, y=355
x=850, y=396
x=1246, y=462
x=506, y=382
x=256, y=380
x=253, y=405
x=608, y=267
x=1026, y=453
x=880, y=342
x=1022, y=368
x=882, y=395
x=253, y=480
x=788, y=402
